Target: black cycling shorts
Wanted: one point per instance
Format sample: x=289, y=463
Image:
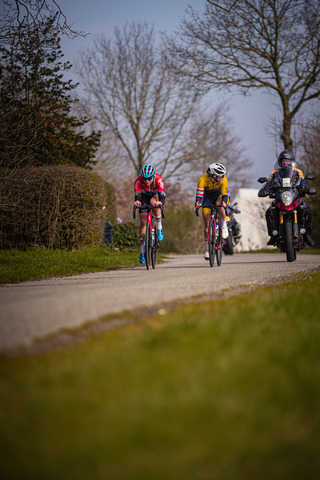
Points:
x=145, y=200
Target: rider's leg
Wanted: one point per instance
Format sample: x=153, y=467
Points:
x=271, y=226
x=206, y=219
x=143, y=227
x=223, y=217
x=157, y=215
x=221, y=212
x=143, y=224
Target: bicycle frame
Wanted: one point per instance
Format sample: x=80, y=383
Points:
x=151, y=236
x=214, y=235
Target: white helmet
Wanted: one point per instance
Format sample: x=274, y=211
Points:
x=217, y=169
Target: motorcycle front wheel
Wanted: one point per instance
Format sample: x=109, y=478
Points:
x=290, y=251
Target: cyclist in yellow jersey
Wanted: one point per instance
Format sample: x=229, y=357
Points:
x=212, y=188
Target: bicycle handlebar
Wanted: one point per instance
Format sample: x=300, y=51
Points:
x=148, y=207
x=211, y=207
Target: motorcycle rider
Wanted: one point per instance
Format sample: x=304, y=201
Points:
x=286, y=162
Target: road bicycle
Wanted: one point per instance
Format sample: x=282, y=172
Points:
x=215, y=239
x=151, y=236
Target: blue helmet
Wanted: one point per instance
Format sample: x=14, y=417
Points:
x=147, y=172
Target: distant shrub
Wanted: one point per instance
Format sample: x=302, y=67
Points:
x=183, y=231
x=54, y=207
x=126, y=236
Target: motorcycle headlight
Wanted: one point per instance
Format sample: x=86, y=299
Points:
x=286, y=198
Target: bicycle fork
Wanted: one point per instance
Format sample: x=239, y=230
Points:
x=217, y=233
x=152, y=230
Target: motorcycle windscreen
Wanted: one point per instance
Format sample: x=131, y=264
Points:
x=288, y=179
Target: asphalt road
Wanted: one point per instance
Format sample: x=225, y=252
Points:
x=36, y=309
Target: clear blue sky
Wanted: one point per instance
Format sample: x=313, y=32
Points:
x=251, y=114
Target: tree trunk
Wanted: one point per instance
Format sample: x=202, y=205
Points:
x=285, y=136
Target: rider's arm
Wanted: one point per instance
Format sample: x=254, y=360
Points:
x=159, y=184
x=200, y=191
x=224, y=191
x=161, y=189
x=301, y=176
x=137, y=190
x=269, y=185
x=137, y=196
x=162, y=197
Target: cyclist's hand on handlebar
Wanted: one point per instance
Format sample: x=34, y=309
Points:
x=137, y=203
x=158, y=203
x=198, y=205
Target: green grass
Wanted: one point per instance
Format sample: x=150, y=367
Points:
x=224, y=390
x=16, y=266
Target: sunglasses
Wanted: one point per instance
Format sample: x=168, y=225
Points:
x=216, y=176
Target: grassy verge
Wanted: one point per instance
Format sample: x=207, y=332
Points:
x=16, y=266
x=218, y=390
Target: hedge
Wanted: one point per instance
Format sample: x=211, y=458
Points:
x=126, y=236
x=54, y=207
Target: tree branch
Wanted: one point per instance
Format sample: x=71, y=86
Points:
x=222, y=8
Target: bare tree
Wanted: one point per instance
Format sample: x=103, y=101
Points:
x=130, y=91
x=32, y=12
x=271, y=45
x=219, y=143
x=110, y=156
x=219, y=6
x=309, y=148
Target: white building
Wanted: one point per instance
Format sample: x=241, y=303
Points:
x=252, y=219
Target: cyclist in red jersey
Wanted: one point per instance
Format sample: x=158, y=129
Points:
x=149, y=189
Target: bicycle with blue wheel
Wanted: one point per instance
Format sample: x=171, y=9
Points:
x=151, y=241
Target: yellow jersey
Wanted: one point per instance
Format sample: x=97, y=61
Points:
x=209, y=189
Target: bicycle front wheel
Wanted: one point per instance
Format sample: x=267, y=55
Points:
x=218, y=245
x=154, y=250
x=148, y=241
x=211, y=240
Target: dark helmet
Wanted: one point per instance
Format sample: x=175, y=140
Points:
x=286, y=155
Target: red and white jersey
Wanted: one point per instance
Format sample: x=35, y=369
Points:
x=156, y=186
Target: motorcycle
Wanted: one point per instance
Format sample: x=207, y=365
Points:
x=287, y=211
x=233, y=228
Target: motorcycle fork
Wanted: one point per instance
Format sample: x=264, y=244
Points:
x=296, y=233
x=280, y=225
